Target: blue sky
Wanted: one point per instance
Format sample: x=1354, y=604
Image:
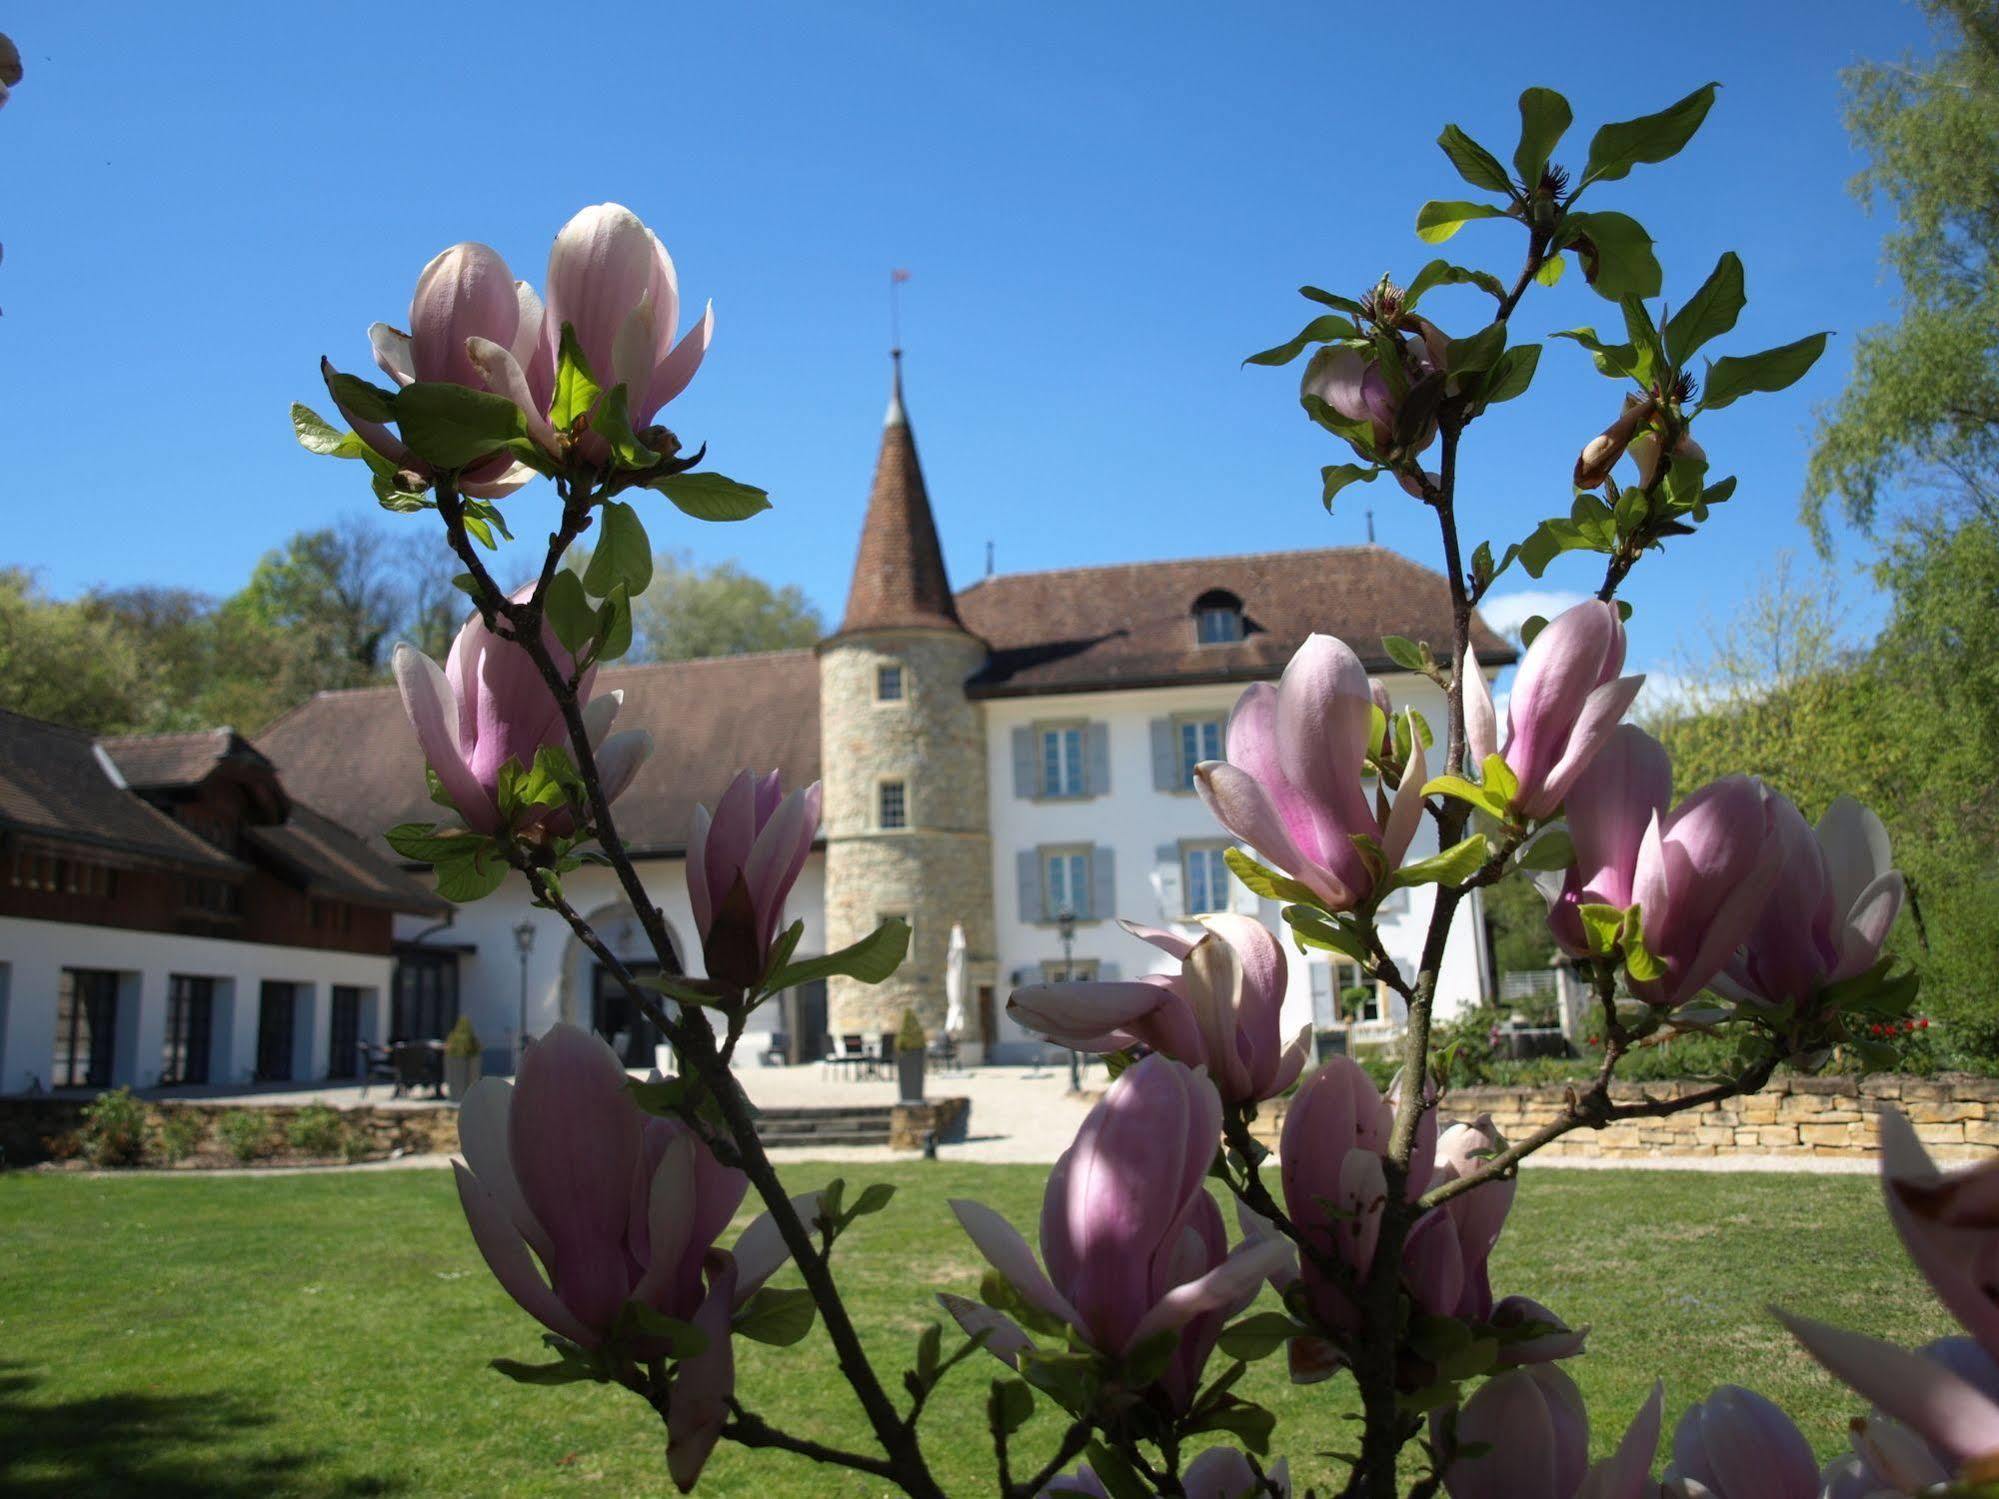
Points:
x=1103, y=208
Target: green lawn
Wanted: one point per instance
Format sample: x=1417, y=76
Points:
x=320, y=1335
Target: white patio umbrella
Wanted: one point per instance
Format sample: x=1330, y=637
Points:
x=954, y=981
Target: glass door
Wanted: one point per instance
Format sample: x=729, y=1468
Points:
x=190, y=1025
x=277, y=1007
x=343, y=1047
x=86, y=1027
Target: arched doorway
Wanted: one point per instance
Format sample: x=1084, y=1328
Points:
x=593, y=998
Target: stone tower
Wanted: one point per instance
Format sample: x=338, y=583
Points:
x=903, y=758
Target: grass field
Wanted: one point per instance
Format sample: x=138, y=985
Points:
x=324, y=1335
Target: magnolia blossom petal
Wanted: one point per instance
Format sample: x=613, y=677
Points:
x=433, y=713
x=482, y=1140
x=1868, y=923
x=668, y=1204
x=1081, y=1014
x=506, y=1255
x=392, y=352
x=620, y=759
x=760, y=1249
x=703, y=1384
x=500, y=370
x=1004, y=1339
x=1240, y=804
x=1007, y=1252
x=1627, y=1472
x=678, y=368
x=1601, y=712
x=1225, y=1286
x=1407, y=814
x=1921, y=1394
x=1481, y=722
x=1949, y=1256
x=1172, y=944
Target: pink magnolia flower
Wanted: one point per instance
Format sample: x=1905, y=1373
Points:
x=1828, y=914
x=1703, y=875
x=488, y=705
x=1535, y=1432
x=1889, y=1458
x=563, y=1168
x=1555, y=1340
x=465, y=300
x=1354, y=384
x=1737, y=1445
x=1133, y=1243
x=1566, y=700
x=1474, y=1218
x=1336, y=1134
x=741, y=865
x=1220, y=1011
x=1291, y=785
x=1481, y=720
x=1945, y=1396
x=611, y=280
x=1600, y=454
x=1218, y=1473
x=1625, y=788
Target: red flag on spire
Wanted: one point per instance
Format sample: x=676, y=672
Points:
x=898, y=275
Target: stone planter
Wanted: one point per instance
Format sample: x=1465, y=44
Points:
x=460, y=1073
x=909, y=1073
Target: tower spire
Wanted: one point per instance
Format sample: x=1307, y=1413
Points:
x=899, y=578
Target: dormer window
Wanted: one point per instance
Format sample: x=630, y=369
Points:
x=1218, y=618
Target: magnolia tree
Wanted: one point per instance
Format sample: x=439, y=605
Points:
x=599, y=1200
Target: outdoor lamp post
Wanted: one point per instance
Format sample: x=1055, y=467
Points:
x=1065, y=928
x=524, y=940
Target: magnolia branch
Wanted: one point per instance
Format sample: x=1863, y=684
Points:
x=695, y=1039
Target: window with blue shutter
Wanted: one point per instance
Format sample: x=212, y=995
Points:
x=1200, y=739
x=1066, y=882
x=1206, y=885
x=1064, y=770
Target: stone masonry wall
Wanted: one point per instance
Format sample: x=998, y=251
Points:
x=1956, y=1117
x=938, y=870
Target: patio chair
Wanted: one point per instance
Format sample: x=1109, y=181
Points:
x=410, y=1061
x=376, y=1066
x=779, y=1051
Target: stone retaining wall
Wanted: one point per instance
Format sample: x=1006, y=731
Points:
x=1956, y=1116
x=33, y=1130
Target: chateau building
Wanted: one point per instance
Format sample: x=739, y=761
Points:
x=994, y=757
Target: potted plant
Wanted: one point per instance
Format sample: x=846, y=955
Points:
x=909, y=1046
x=461, y=1059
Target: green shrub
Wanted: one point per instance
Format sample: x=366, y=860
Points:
x=357, y=1147
x=181, y=1134
x=246, y=1133
x=114, y=1129
x=909, y=1035
x=463, y=1040
x=316, y=1130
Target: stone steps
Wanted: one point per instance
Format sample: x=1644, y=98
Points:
x=843, y=1125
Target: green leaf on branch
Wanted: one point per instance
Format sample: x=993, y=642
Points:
x=1616, y=254
x=1498, y=777
x=1479, y=351
x=1639, y=961
x=1618, y=361
x=317, y=435
x=1549, y=272
x=1443, y=273
x=1616, y=148
x=1511, y=373
x=1544, y=118
x=1330, y=299
x=779, y=1316
x=1485, y=798
x=1603, y=926
x=684, y=990
x=450, y=426
x=359, y=400
x=870, y=960
x=1475, y=164
x=682, y=1339
x=471, y=874
x=1437, y=221
x=576, y=389
x=613, y=423
x=1453, y=866
x=1405, y=653
x=1241, y=1418
x=1550, y=850
x=1267, y=883
x=1115, y=1472
x=1337, y=476
x=1008, y=1405
x=614, y=626
x=568, y=611
x=1734, y=376
x=426, y=843
x=712, y=497
x=623, y=553
x=1320, y=330
x=1311, y=927
x=1257, y=1336
x=1360, y=434
x=1709, y=313
x=1532, y=625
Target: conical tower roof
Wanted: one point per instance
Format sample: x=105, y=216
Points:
x=899, y=579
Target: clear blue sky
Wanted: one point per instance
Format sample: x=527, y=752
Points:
x=1103, y=208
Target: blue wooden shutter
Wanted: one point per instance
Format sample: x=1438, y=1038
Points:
x=1025, y=783
x=1103, y=883
x=1028, y=864
x=1097, y=744
x=1165, y=756
x=1169, y=879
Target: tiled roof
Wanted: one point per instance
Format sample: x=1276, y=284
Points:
x=56, y=782
x=160, y=761
x=1132, y=625
x=899, y=579
x=328, y=860
x=353, y=755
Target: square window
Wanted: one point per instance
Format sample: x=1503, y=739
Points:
x=1200, y=739
x=1065, y=883
x=888, y=684
x=1077, y=970
x=893, y=805
x=1207, y=879
x=1062, y=771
